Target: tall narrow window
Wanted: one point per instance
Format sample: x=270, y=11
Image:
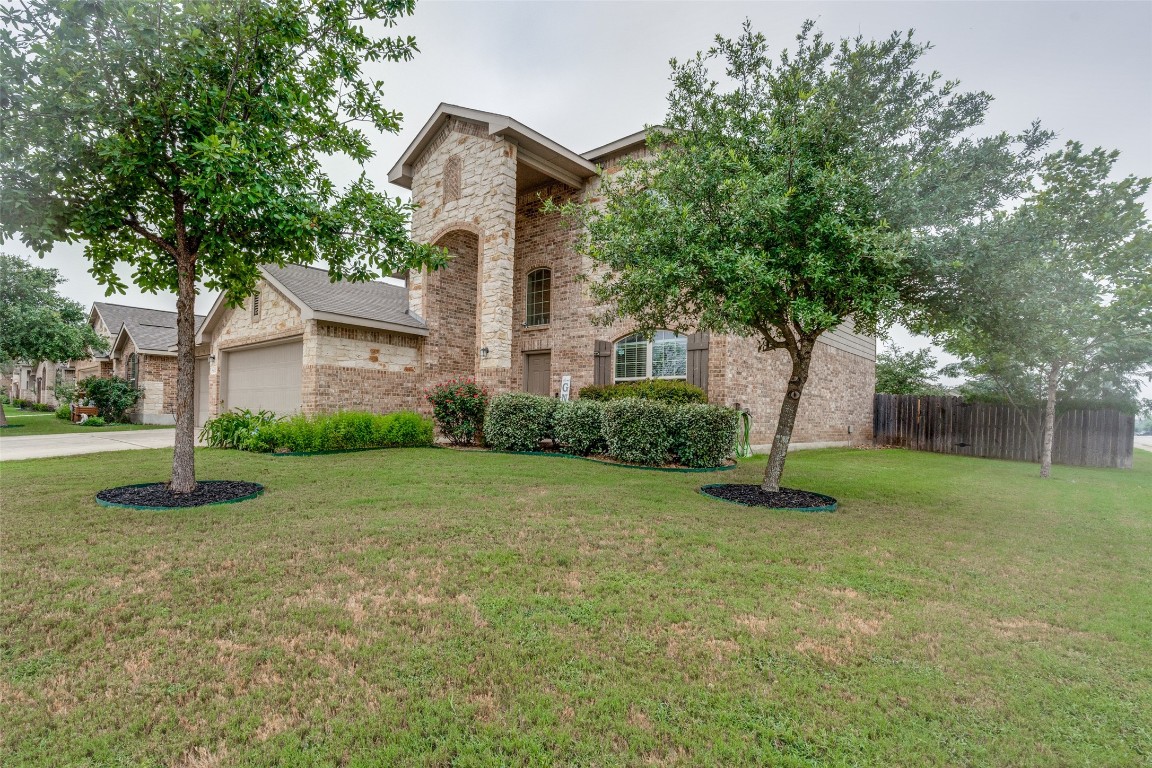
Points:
x=256, y=305
x=133, y=367
x=453, y=171
x=664, y=357
x=539, y=302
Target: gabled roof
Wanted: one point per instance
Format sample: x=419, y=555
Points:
x=370, y=304
x=152, y=331
x=626, y=144
x=536, y=150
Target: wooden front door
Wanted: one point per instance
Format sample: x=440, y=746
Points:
x=538, y=374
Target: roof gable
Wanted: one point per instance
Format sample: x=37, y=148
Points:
x=150, y=330
x=371, y=304
x=536, y=149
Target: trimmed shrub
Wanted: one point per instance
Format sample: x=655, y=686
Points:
x=64, y=412
x=43, y=407
x=578, y=427
x=112, y=395
x=94, y=421
x=639, y=431
x=518, y=421
x=346, y=430
x=459, y=407
x=664, y=390
x=704, y=435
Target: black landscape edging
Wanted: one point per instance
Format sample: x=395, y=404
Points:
x=341, y=450
x=826, y=508
x=104, y=503
x=12, y=426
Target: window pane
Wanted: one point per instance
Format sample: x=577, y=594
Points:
x=539, y=304
x=669, y=355
x=632, y=357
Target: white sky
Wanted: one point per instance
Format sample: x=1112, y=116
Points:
x=586, y=73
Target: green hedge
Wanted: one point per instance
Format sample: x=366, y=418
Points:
x=518, y=421
x=704, y=435
x=632, y=430
x=664, y=390
x=578, y=427
x=348, y=430
x=638, y=431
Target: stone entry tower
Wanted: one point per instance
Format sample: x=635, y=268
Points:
x=465, y=169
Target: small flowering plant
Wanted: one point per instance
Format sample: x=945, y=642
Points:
x=458, y=406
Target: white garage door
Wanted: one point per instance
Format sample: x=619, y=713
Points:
x=265, y=378
x=202, y=400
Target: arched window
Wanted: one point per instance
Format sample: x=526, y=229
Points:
x=664, y=357
x=539, y=298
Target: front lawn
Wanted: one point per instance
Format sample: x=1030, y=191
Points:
x=433, y=607
x=46, y=423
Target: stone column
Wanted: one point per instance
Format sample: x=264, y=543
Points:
x=497, y=253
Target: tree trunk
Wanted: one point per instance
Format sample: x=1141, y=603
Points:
x=1049, y=420
x=801, y=359
x=184, y=456
x=3, y=417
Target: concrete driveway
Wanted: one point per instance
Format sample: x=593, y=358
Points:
x=1144, y=441
x=44, y=446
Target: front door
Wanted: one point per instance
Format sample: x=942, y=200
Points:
x=538, y=376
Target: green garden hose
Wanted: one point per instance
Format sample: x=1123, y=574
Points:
x=744, y=441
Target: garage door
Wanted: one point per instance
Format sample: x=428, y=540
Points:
x=265, y=378
x=201, y=390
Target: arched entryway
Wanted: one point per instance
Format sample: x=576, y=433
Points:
x=450, y=301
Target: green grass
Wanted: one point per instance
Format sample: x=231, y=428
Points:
x=433, y=607
x=46, y=423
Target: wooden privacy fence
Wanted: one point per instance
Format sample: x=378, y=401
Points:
x=1089, y=438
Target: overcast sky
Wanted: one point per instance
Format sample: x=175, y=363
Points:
x=586, y=73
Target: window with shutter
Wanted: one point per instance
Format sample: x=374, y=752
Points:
x=664, y=357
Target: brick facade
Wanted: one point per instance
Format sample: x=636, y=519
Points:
x=465, y=184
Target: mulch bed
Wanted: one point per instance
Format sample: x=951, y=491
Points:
x=785, y=498
x=158, y=495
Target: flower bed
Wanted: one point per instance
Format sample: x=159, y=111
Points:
x=264, y=432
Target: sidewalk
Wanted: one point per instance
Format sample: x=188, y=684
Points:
x=44, y=446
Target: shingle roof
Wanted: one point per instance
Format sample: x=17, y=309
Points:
x=375, y=301
x=149, y=328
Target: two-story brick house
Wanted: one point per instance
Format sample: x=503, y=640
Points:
x=508, y=310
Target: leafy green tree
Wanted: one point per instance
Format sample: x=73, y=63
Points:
x=907, y=372
x=37, y=324
x=1057, y=290
x=785, y=202
x=186, y=140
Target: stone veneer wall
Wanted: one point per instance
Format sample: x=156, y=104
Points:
x=362, y=369
x=486, y=206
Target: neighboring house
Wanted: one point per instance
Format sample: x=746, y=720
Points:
x=141, y=349
x=508, y=310
x=37, y=383
x=22, y=382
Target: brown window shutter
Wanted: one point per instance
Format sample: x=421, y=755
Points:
x=698, y=360
x=602, y=366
